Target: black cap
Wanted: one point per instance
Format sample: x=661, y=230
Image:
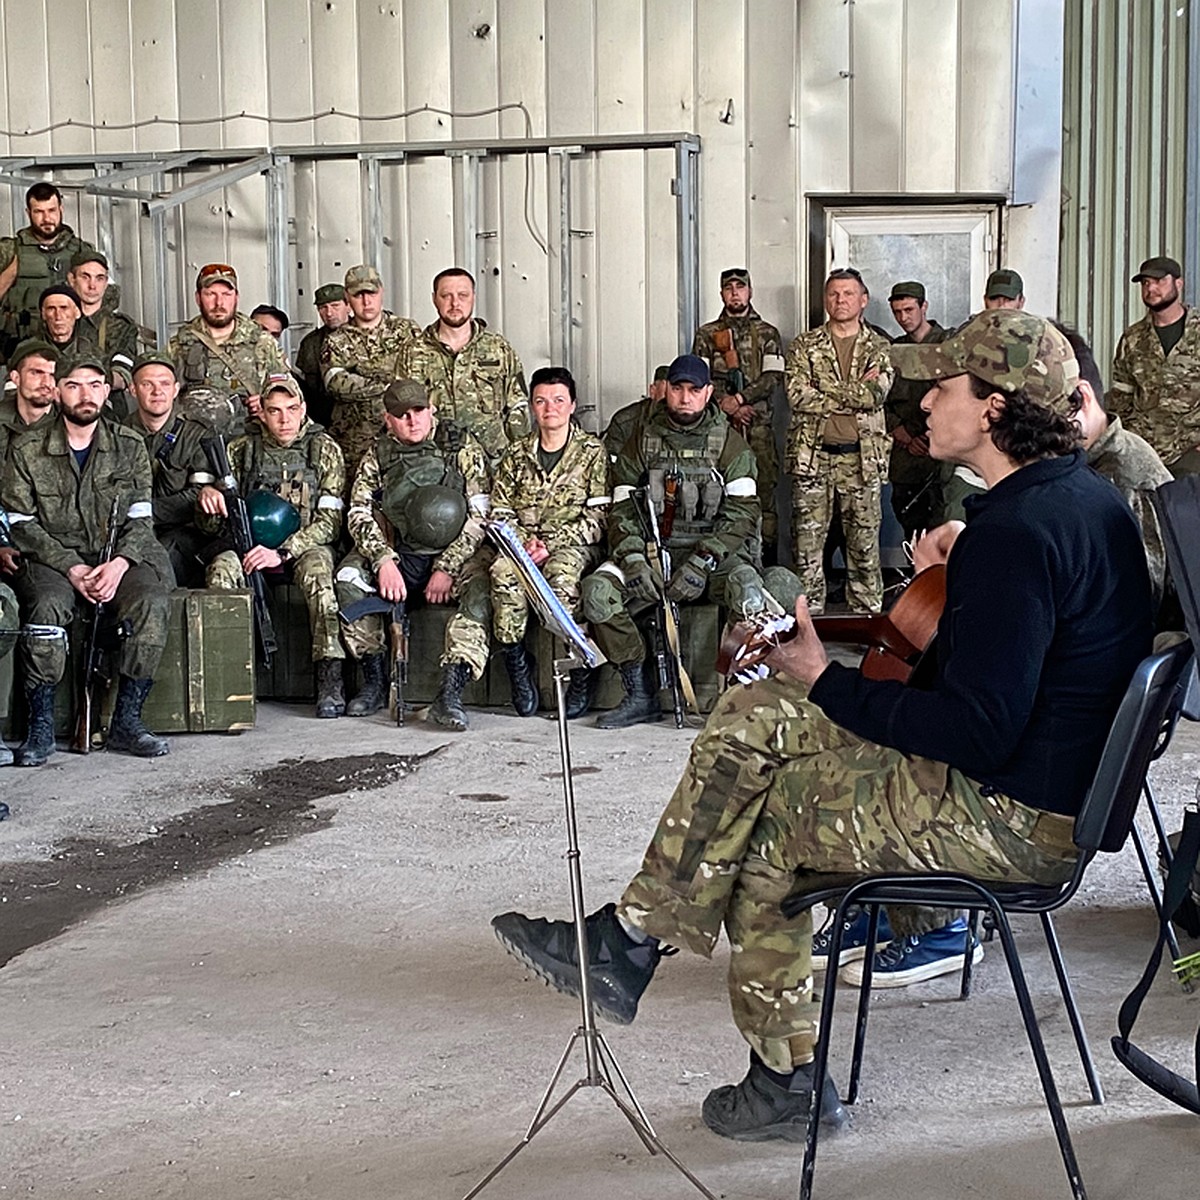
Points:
x=1158, y=268
x=687, y=368
x=60, y=289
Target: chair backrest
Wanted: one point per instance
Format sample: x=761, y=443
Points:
x=1147, y=715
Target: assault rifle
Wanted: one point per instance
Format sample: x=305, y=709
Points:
x=243, y=543
x=399, y=627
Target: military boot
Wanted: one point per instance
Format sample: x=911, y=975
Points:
x=127, y=734
x=521, y=668
x=331, y=700
x=640, y=703
x=447, y=707
x=39, y=740
x=373, y=694
x=581, y=691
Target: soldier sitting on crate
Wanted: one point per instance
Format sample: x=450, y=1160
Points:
x=292, y=458
x=411, y=497
x=552, y=487
x=699, y=473
x=59, y=488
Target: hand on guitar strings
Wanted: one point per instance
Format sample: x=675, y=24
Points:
x=802, y=656
x=932, y=547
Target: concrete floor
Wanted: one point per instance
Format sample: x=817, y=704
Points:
x=314, y=1006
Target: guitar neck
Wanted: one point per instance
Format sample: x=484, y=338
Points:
x=856, y=629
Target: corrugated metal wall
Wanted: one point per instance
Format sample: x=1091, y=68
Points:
x=1125, y=117
x=881, y=97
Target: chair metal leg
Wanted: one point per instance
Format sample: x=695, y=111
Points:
x=964, y=992
x=864, y=1004
x=1068, y=997
x=1139, y=844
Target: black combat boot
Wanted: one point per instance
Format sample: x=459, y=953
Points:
x=127, y=734
x=373, y=694
x=581, y=691
x=447, y=707
x=331, y=700
x=521, y=669
x=640, y=703
x=39, y=740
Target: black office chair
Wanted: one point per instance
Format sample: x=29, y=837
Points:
x=1147, y=713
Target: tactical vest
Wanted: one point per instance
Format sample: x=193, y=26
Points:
x=701, y=486
x=36, y=270
x=404, y=469
x=291, y=472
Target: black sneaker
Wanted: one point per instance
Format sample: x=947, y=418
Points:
x=759, y=1109
x=619, y=968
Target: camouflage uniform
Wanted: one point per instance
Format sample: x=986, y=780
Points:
x=357, y=367
x=1158, y=397
x=564, y=507
x=311, y=475
x=624, y=424
x=40, y=265
x=760, y=358
x=851, y=477
x=311, y=375
x=217, y=382
x=390, y=472
x=9, y=618
x=113, y=333
x=12, y=426
x=481, y=387
x=59, y=517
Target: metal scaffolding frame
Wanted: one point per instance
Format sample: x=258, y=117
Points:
x=116, y=177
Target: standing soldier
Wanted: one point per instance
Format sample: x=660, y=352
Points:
x=298, y=462
x=473, y=375
x=415, y=507
x=358, y=362
x=745, y=358
x=333, y=312
x=552, y=487
x=221, y=355
x=59, y=489
x=1156, y=373
x=33, y=259
x=837, y=450
x=113, y=333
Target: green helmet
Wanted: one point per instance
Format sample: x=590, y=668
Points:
x=272, y=519
x=433, y=517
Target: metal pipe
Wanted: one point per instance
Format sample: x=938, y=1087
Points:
x=1191, y=235
x=158, y=237
x=211, y=183
x=685, y=187
x=566, y=279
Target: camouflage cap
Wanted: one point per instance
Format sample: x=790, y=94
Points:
x=154, y=358
x=403, y=395
x=329, y=293
x=908, y=289
x=280, y=381
x=30, y=347
x=1005, y=347
x=1158, y=267
x=87, y=359
x=363, y=279
x=1004, y=283
x=735, y=275
x=88, y=255
x=216, y=273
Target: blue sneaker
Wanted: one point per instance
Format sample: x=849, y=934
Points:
x=917, y=957
x=854, y=938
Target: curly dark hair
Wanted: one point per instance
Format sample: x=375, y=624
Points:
x=1026, y=430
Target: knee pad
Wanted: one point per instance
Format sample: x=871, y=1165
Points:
x=600, y=598
x=744, y=590
x=784, y=586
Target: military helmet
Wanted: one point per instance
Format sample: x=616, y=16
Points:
x=433, y=517
x=272, y=519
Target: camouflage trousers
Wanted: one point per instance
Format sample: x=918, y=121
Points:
x=356, y=579
x=312, y=573
x=9, y=619
x=47, y=598
x=761, y=436
x=355, y=425
x=835, y=482
x=774, y=787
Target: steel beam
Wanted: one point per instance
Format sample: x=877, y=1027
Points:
x=686, y=187
x=466, y=205
x=210, y=183
x=1191, y=238
x=277, y=237
x=158, y=253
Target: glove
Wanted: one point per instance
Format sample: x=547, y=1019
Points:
x=643, y=582
x=689, y=581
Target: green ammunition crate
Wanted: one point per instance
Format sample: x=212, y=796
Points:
x=290, y=676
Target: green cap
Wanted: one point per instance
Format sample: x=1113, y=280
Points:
x=30, y=347
x=908, y=289
x=329, y=293
x=1012, y=350
x=88, y=358
x=735, y=275
x=154, y=358
x=88, y=255
x=661, y=373
x=363, y=279
x=1158, y=268
x=1004, y=283
x=403, y=395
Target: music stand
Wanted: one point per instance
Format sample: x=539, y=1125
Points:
x=601, y=1066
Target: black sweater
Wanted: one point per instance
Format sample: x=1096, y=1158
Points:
x=1047, y=615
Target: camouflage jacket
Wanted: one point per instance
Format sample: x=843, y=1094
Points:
x=179, y=467
x=624, y=424
x=40, y=264
x=903, y=407
x=114, y=333
x=410, y=467
x=481, y=388
x=357, y=364
x=1131, y=464
x=12, y=426
x=729, y=523
x=565, y=506
x=60, y=513
x=816, y=390
x=760, y=357
x=217, y=382
x=1158, y=396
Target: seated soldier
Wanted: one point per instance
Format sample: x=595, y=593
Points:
x=626, y=420
x=552, y=487
x=32, y=403
x=61, y=324
x=699, y=473
x=294, y=459
x=409, y=502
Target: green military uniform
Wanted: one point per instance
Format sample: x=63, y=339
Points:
x=358, y=364
x=1157, y=396
x=564, y=506
x=915, y=479
x=624, y=424
x=179, y=469
x=59, y=514
x=481, y=387
x=12, y=426
x=113, y=333
x=311, y=475
x=847, y=472
x=9, y=618
x=390, y=473
x=218, y=377
x=39, y=266
x=759, y=351
x=312, y=380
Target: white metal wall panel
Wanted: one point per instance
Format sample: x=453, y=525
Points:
x=570, y=68
x=197, y=70
x=985, y=113
x=154, y=70
x=73, y=85
x=290, y=71
x=824, y=112
x=931, y=80
x=25, y=45
x=877, y=95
